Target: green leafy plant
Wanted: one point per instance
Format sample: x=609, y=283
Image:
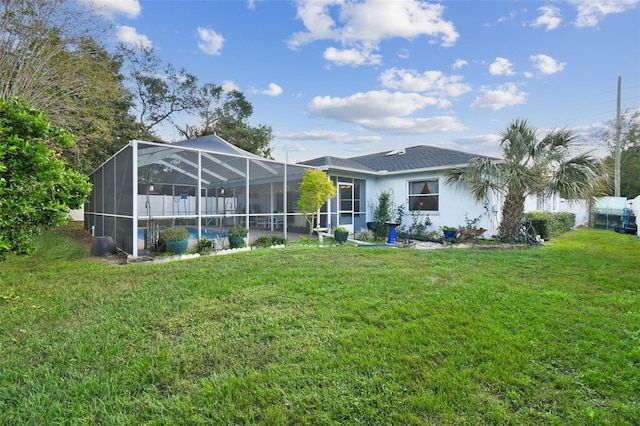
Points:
x=36, y=187
x=382, y=212
x=269, y=240
x=205, y=245
x=470, y=232
x=238, y=231
x=175, y=233
x=419, y=227
x=340, y=229
x=365, y=235
x=448, y=228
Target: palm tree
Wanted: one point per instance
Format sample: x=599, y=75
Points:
x=531, y=166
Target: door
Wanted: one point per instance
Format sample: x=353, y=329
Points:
x=345, y=205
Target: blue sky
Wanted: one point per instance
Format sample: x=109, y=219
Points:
x=348, y=78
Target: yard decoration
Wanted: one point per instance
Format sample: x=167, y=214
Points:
x=449, y=232
x=341, y=234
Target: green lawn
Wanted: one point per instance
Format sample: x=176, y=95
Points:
x=316, y=336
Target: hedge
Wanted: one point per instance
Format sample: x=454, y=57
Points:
x=549, y=225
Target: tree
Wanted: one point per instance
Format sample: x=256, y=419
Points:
x=36, y=188
x=160, y=91
x=315, y=190
x=99, y=115
x=629, y=151
x=227, y=114
x=50, y=57
x=531, y=166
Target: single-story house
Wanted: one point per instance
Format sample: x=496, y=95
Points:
x=415, y=177
x=207, y=185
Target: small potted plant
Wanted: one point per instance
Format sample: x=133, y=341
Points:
x=237, y=235
x=175, y=239
x=449, y=232
x=340, y=233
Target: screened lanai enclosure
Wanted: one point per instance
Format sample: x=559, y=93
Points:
x=205, y=184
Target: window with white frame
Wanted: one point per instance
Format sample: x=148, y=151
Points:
x=423, y=195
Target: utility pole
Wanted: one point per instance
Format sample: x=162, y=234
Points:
x=617, y=153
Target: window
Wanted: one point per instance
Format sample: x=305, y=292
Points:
x=423, y=195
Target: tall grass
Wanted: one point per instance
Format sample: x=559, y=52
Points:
x=325, y=336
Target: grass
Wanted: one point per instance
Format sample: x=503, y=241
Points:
x=339, y=335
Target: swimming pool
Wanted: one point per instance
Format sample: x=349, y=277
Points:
x=193, y=233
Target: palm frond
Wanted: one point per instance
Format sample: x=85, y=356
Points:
x=480, y=176
x=579, y=177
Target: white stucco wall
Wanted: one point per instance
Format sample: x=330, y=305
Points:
x=454, y=202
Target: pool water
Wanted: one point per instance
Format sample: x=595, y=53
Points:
x=193, y=233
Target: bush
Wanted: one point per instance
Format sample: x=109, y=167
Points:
x=205, y=245
x=549, y=225
x=365, y=235
x=269, y=240
x=175, y=233
x=238, y=231
x=382, y=212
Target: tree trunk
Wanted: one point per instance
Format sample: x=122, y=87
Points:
x=512, y=209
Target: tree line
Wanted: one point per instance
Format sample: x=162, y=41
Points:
x=54, y=56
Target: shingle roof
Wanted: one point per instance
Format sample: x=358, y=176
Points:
x=413, y=158
x=339, y=163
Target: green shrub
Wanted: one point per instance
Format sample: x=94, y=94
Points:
x=269, y=240
x=205, y=245
x=382, y=212
x=549, y=224
x=175, y=233
x=365, y=235
x=238, y=231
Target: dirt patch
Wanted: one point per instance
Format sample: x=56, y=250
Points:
x=76, y=231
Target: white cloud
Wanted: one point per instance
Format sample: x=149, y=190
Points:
x=546, y=64
x=414, y=126
x=591, y=12
x=331, y=135
x=501, y=97
x=229, y=86
x=367, y=23
x=431, y=82
x=111, y=8
x=311, y=135
x=273, y=90
x=384, y=111
x=351, y=57
x=404, y=54
x=369, y=105
x=488, y=144
x=459, y=63
x=501, y=66
x=502, y=19
x=129, y=35
x=549, y=18
x=292, y=147
x=210, y=41
x=358, y=140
